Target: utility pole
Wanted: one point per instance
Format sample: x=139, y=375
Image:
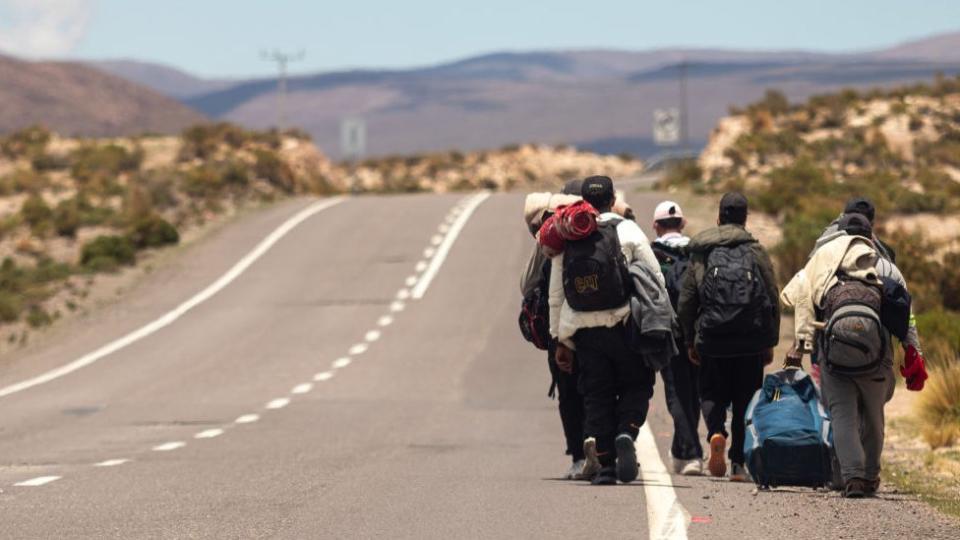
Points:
x=282, y=59
x=684, y=123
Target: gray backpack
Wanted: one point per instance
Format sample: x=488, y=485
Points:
x=853, y=340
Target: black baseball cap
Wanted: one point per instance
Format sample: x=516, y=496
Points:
x=862, y=206
x=598, y=190
x=733, y=208
x=573, y=187
x=856, y=225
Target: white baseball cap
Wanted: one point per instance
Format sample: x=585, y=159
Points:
x=667, y=210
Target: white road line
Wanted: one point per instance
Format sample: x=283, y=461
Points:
x=403, y=294
x=436, y=240
x=444, y=228
x=209, y=433
x=278, y=403
x=411, y=281
x=340, y=363
x=386, y=320
x=247, y=419
x=372, y=336
x=397, y=306
x=666, y=518
x=112, y=462
x=429, y=252
x=358, y=349
x=302, y=388
x=421, y=266
x=233, y=273
x=166, y=447
x=38, y=481
x=323, y=376
x=448, y=241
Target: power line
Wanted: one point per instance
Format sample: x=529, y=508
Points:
x=282, y=60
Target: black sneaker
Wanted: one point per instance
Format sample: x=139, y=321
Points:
x=856, y=488
x=606, y=476
x=627, y=469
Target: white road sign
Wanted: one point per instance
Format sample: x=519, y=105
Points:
x=666, y=126
x=353, y=138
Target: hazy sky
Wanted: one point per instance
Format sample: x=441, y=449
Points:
x=225, y=37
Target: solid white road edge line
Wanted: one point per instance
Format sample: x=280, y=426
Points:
x=38, y=481
x=441, y=254
x=233, y=273
x=666, y=518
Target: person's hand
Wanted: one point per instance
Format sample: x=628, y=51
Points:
x=794, y=358
x=693, y=355
x=564, y=358
x=767, y=357
x=914, y=369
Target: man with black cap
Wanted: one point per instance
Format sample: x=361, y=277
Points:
x=864, y=207
x=589, y=302
x=730, y=314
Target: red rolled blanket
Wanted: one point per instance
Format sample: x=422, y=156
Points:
x=551, y=242
x=576, y=221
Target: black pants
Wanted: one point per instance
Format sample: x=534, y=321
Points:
x=681, y=387
x=616, y=387
x=725, y=382
x=571, y=405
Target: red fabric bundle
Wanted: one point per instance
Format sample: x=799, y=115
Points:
x=549, y=237
x=914, y=369
x=576, y=221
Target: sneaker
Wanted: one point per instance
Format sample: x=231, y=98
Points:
x=606, y=476
x=718, y=459
x=872, y=487
x=855, y=488
x=591, y=464
x=738, y=473
x=693, y=467
x=627, y=469
x=576, y=469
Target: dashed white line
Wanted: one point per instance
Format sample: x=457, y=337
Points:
x=323, y=376
x=429, y=252
x=442, y=251
x=233, y=273
x=411, y=281
x=397, y=306
x=247, y=419
x=38, y=481
x=209, y=433
x=421, y=266
x=278, y=403
x=437, y=239
x=403, y=294
x=302, y=388
x=111, y=462
x=372, y=336
x=386, y=320
x=168, y=446
x=340, y=363
x=358, y=349
x=444, y=228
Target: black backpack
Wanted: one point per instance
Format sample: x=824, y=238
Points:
x=673, y=264
x=595, y=276
x=735, y=310
x=535, y=312
x=853, y=340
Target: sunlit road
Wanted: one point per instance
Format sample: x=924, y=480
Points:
x=361, y=376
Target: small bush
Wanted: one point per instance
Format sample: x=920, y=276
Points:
x=43, y=162
x=270, y=167
x=107, y=253
x=102, y=164
x=25, y=142
x=153, y=231
x=37, y=215
x=38, y=317
x=10, y=306
x=66, y=218
x=939, y=405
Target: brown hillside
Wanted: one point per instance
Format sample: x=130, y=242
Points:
x=74, y=99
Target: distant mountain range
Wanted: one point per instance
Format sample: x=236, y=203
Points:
x=75, y=99
x=600, y=99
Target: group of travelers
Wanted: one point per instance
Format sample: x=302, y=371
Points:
x=611, y=309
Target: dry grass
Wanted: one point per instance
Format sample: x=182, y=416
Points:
x=939, y=406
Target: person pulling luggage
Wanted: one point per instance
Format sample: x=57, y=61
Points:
x=681, y=385
x=589, y=302
x=730, y=316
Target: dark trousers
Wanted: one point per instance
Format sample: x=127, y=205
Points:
x=729, y=381
x=616, y=387
x=570, y=404
x=681, y=388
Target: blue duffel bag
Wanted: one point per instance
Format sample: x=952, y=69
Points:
x=789, y=440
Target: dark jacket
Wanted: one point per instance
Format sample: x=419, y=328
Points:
x=650, y=329
x=688, y=308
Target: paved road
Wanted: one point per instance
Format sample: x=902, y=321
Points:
x=329, y=402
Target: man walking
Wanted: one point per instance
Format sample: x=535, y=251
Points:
x=681, y=383
x=589, y=302
x=730, y=315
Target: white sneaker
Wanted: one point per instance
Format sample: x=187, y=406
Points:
x=693, y=467
x=591, y=464
x=575, y=470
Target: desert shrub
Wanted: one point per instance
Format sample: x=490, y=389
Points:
x=681, y=174
x=66, y=218
x=923, y=274
x=940, y=324
x=270, y=167
x=153, y=231
x=107, y=253
x=800, y=232
x=10, y=306
x=26, y=142
x=43, y=162
x=37, y=317
x=37, y=214
x=160, y=187
x=202, y=141
x=137, y=203
x=101, y=164
x=790, y=189
x=950, y=283
x=23, y=181
x=22, y=287
x=939, y=405
x=202, y=181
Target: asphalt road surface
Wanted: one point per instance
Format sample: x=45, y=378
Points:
x=356, y=374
